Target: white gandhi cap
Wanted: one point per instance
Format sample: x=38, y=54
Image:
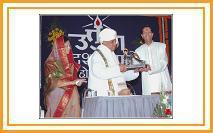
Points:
x=108, y=34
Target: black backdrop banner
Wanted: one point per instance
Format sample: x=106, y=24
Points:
x=83, y=31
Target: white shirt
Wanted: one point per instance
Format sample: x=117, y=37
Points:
x=99, y=73
x=158, y=78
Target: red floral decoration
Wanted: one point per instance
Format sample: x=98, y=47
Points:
x=168, y=112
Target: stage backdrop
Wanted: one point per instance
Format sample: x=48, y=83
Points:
x=83, y=31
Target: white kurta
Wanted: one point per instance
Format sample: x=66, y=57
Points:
x=99, y=73
x=158, y=78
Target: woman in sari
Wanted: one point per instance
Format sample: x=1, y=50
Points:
x=61, y=81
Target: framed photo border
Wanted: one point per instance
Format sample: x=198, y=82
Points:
x=1, y=51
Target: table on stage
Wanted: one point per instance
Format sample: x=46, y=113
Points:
x=134, y=106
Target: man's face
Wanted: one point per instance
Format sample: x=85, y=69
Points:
x=147, y=34
x=111, y=44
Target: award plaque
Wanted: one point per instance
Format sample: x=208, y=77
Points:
x=132, y=60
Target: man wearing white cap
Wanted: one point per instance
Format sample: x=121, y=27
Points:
x=106, y=75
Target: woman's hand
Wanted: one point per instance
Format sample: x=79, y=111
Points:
x=79, y=82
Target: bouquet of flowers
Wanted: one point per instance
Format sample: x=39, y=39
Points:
x=164, y=108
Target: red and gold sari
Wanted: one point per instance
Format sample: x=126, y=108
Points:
x=61, y=101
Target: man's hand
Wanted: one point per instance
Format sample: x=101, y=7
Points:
x=144, y=69
x=147, y=68
x=123, y=68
